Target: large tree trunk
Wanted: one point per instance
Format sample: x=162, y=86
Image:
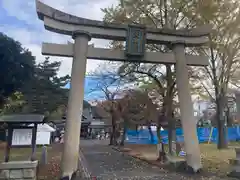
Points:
x=124, y=134
x=113, y=138
x=222, y=140
x=171, y=126
x=171, y=134
x=159, y=142
x=160, y=145
x=229, y=118
x=115, y=135
x=219, y=96
x=169, y=109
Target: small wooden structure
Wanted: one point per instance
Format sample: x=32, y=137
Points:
x=19, y=121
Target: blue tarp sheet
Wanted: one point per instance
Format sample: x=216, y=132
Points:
x=143, y=136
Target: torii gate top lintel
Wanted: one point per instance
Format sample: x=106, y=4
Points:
x=63, y=23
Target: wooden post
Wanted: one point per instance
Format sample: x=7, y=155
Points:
x=34, y=138
x=44, y=156
x=9, y=143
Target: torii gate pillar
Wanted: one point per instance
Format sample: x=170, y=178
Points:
x=70, y=155
x=186, y=108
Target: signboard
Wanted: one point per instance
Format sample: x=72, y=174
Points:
x=135, y=43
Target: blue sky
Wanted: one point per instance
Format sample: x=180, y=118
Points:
x=18, y=19
x=90, y=89
x=93, y=85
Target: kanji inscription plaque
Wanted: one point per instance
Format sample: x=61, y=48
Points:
x=135, y=42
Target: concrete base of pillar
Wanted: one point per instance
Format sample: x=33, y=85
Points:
x=190, y=170
x=73, y=177
x=180, y=165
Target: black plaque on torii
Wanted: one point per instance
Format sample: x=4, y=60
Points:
x=135, y=42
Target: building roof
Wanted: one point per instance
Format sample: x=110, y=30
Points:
x=22, y=118
x=44, y=128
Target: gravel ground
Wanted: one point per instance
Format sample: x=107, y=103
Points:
x=105, y=163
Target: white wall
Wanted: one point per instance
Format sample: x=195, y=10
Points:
x=24, y=137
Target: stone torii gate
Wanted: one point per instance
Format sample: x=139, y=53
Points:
x=136, y=37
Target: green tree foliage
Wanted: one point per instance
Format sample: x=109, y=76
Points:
x=13, y=104
x=45, y=93
x=16, y=67
x=27, y=87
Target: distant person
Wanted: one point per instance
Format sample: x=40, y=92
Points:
x=62, y=138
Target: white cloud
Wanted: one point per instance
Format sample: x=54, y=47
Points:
x=31, y=33
x=90, y=9
x=22, y=10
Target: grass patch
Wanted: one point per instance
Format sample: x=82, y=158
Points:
x=214, y=160
x=21, y=154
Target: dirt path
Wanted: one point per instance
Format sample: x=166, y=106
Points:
x=105, y=163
